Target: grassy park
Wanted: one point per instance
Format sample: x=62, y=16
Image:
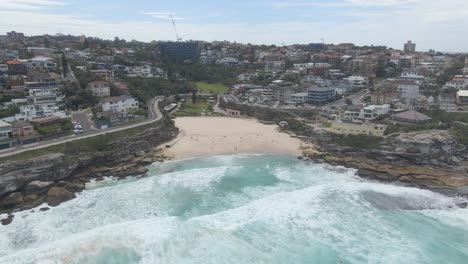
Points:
x=204, y=87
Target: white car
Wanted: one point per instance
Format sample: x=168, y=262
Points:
x=77, y=131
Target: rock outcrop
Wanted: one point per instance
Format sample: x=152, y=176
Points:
x=37, y=187
x=431, y=160
x=28, y=183
x=57, y=195
x=16, y=175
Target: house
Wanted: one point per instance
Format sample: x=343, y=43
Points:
x=113, y=118
x=407, y=89
x=46, y=121
x=411, y=116
x=121, y=86
x=275, y=66
x=462, y=97
x=352, y=114
x=5, y=130
x=384, y=97
x=232, y=112
x=298, y=98
x=349, y=128
x=412, y=76
x=102, y=73
x=358, y=82
x=22, y=129
x=28, y=112
x=374, y=111
x=99, y=88
x=361, y=66
x=332, y=112
x=320, y=95
x=16, y=68
x=3, y=69
x=43, y=88
x=447, y=102
x=40, y=64
x=120, y=103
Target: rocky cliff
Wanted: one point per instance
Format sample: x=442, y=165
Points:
x=59, y=170
x=431, y=160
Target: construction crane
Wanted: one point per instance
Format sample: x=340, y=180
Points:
x=175, y=28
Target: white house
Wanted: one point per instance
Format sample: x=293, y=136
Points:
x=358, y=81
x=28, y=112
x=412, y=76
x=40, y=64
x=120, y=103
x=298, y=98
x=373, y=111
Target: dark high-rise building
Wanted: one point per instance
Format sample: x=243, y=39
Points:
x=409, y=46
x=180, y=51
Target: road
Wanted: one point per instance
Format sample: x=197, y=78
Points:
x=154, y=116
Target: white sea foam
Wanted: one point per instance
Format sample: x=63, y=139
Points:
x=234, y=209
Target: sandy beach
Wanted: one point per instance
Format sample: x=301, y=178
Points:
x=207, y=136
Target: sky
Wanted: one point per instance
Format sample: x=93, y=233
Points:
x=431, y=24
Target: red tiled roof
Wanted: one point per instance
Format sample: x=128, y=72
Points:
x=13, y=62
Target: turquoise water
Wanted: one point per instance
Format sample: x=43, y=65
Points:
x=242, y=209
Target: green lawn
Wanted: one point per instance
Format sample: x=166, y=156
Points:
x=204, y=87
x=190, y=109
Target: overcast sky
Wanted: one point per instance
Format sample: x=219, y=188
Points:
x=437, y=24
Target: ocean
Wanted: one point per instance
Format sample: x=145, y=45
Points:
x=242, y=209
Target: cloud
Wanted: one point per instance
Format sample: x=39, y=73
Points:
x=29, y=4
x=428, y=23
x=166, y=15
x=381, y=3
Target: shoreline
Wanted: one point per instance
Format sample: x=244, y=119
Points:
x=201, y=137
x=212, y=136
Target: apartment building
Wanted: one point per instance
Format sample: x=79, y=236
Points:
x=348, y=128
x=120, y=103
x=99, y=88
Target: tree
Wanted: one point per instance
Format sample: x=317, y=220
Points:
x=194, y=96
x=85, y=44
x=348, y=101
x=46, y=41
x=64, y=65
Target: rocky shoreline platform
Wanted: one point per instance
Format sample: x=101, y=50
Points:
x=50, y=180
x=433, y=161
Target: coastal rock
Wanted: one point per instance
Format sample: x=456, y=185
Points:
x=140, y=153
x=37, y=187
x=8, y=220
x=12, y=200
x=15, y=175
x=146, y=162
x=372, y=174
x=72, y=187
x=57, y=195
x=425, y=146
x=31, y=203
x=141, y=170
x=31, y=197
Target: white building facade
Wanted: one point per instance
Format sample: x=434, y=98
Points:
x=120, y=103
